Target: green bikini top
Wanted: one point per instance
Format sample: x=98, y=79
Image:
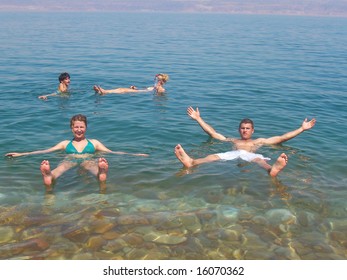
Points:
x=88, y=149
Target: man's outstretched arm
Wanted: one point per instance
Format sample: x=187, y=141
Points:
x=306, y=125
x=195, y=115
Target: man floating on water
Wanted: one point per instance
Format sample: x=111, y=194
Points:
x=244, y=147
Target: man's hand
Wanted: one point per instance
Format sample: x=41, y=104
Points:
x=194, y=114
x=308, y=124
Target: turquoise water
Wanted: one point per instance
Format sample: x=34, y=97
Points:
x=276, y=70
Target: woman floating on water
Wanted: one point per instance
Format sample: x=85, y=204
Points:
x=81, y=148
x=64, y=82
x=160, y=80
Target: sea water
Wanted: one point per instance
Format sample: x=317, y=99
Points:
x=276, y=70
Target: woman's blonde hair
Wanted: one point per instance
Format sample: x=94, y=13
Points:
x=163, y=77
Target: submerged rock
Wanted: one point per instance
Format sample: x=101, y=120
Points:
x=133, y=239
x=339, y=224
x=307, y=219
x=132, y=219
x=232, y=234
x=169, y=221
x=340, y=237
x=164, y=238
x=35, y=244
x=112, y=234
x=115, y=245
x=336, y=209
x=283, y=253
x=96, y=242
x=76, y=234
x=317, y=242
x=12, y=216
x=251, y=240
x=307, y=201
x=101, y=226
x=190, y=222
x=227, y=215
x=280, y=216
x=214, y=195
x=6, y=234
x=83, y=256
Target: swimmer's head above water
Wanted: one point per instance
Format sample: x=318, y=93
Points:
x=161, y=77
x=79, y=117
x=246, y=121
x=64, y=76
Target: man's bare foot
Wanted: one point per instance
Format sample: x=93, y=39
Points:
x=103, y=169
x=46, y=174
x=278, y=165
x=182, y=156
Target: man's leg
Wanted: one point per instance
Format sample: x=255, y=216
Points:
x=187, y=161
x=276, y=168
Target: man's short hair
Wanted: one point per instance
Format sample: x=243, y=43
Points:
x=246, y=121
x=63, y=76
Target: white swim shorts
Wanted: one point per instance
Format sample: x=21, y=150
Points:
x=242, y=154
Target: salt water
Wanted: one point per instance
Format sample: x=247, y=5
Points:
x=276, y=70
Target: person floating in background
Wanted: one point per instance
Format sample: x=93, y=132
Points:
x=160, y=80
x=244, y=147
x=80, y=149
x=64, y=82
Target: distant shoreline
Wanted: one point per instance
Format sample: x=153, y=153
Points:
x=336, y=8
x=277, y=13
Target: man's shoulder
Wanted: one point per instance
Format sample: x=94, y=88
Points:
x=259, y=141
x=229, y=139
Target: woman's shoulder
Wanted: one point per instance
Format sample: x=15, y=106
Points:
x=94, y=141
x=65, y=142
x=62, y=144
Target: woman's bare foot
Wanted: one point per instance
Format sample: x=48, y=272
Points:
x=96, y=89
x=103, y=169
x=46, y=174
x=278, y=165
x=99, y=90
x=182, y=156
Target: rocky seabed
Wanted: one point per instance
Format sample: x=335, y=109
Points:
x=96, y=227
